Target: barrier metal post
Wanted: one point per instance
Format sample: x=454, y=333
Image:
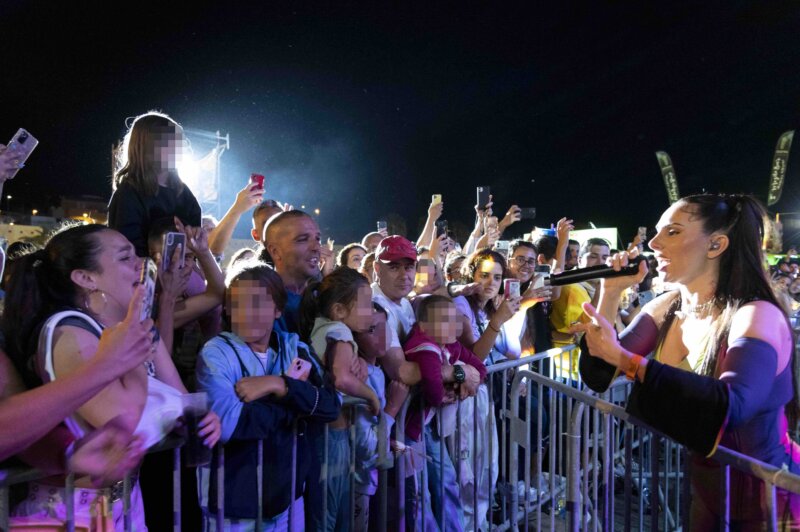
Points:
x=176, y=489
x=573, y=469
x=725, y=500
x=220, y=487
x=292, y=516
x=260, y=486
x=69, y=495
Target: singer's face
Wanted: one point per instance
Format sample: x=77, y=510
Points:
x=680, y=245
x=489, y=275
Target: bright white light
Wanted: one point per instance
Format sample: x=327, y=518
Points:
x=189, y=172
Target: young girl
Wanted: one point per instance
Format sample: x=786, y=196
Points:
x=331, y=310
x=372, y=346
x=146, y=185
x=238, y=368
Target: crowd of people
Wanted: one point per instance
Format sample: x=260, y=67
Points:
x=279, y=336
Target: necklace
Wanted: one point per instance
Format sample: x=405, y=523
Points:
x=697, y=311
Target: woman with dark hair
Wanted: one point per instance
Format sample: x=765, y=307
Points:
x=351, y=256
x=723, y=366
x=147, y=186
x=486, y=310
x=58, y=302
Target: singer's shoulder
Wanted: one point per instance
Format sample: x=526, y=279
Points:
x=658, y=307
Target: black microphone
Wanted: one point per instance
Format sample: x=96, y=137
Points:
x=579, y=275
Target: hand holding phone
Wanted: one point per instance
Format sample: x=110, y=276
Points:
x=257, y=181
x=511, y=288
x=441, y=228
x=299, y=369
x=483, y=198
x=173, y=242
x=147, y=279
x=16, y=153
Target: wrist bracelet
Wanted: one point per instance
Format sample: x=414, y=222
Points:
x=492, y=328
x=633, y=366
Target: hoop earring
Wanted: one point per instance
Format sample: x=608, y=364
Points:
x=87, y=302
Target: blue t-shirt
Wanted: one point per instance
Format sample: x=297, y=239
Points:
x=290, y=318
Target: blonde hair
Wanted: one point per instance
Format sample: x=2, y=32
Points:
x=136, y=163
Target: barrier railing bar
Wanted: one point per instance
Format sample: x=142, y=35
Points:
x=293, y=484
x=221, y=487
x=126, y=503
x=474, y=458
x=655, y=487
x=176, y=489
x=584, y=500
x=260, y=486
x=69, y=494
x=725, y=499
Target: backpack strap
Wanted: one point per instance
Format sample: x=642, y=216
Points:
x=227, y=340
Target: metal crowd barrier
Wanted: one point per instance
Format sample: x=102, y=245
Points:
x=587, y=466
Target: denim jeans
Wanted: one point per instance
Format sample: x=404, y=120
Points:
x=440, y=472
x=336, y=466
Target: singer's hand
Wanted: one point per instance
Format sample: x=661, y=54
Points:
x=601, y=338
x=619, y=261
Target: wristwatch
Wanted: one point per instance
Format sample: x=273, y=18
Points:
x=459, y=374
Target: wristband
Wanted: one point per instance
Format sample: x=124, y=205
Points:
x=492, y=328
x=633, y=366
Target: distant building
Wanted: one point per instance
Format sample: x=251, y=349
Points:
x=13, y=232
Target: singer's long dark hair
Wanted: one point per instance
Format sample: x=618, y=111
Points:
x=742, y=276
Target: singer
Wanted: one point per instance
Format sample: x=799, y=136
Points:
x=722, y=363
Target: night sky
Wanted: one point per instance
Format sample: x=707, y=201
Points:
x=365, y=111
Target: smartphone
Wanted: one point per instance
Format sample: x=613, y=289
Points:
x=483, y=197
x=173, y=241
x=257, y=180
x=21, y=144
x=541, y=272
x=382, y=225
x=436, y=199
x=642, y=233
x=148, y=280
x=502, y=246
x=511, y=288
x=527, y=213
x=646, y=297
x=299, y=369
x=441, y=228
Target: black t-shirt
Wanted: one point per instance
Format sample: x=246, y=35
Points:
x=132, y=213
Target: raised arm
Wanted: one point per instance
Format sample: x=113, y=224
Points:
x=246, y=199
x=195, y=306
x=428, y=232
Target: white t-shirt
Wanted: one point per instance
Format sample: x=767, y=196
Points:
x=400, y=317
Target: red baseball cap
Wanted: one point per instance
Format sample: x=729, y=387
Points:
x=395, y=248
